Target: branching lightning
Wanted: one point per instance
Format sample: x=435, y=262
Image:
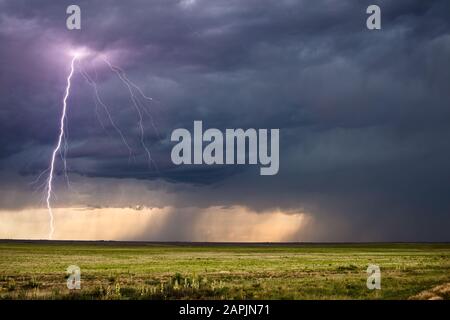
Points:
x=138, y=99
x=99, y=101
x=136, y=104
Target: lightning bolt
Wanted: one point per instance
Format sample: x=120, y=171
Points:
x=130, y=85
x=137, y=97
x=99, y=101
x=58, y=147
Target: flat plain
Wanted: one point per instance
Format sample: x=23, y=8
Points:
x=132, y=270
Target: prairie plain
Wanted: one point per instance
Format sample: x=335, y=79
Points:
x=133, y=270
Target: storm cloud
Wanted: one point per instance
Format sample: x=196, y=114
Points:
x=363, y=115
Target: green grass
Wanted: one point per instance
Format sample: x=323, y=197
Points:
x=156, y=271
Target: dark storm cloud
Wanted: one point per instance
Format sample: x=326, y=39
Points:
x=363, y=115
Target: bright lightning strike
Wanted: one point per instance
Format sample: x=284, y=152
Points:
x=62, y=146
x=58, y=146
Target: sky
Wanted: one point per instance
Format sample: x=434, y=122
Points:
x=363, y=118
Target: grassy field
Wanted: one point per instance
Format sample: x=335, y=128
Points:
x=167, y=271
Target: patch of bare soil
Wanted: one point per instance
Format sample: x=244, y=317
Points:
x=440, y=292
